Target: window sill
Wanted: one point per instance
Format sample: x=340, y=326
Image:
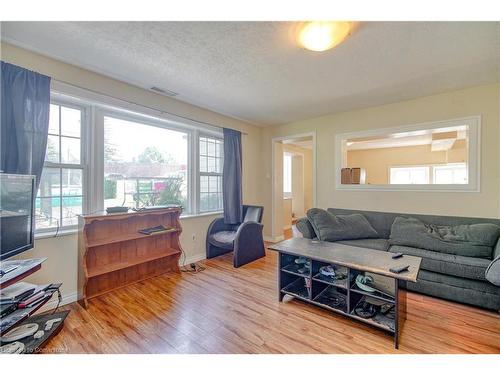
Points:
x=69, y=232
x=193, y=216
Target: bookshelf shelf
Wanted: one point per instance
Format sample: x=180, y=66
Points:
x=107, y=268
x=128, y=237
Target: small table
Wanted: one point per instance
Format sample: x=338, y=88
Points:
x=341, y=293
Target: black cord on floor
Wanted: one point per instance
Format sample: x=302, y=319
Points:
x=193, y=267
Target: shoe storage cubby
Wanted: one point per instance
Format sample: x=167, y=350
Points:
x=295, y=265
x=330, y=296
x=365, y=296
x=373, y=285
x=382, y=314
x=338, y=278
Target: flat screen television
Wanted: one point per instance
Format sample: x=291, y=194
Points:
x=17, y=206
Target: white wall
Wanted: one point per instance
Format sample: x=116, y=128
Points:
x=480, y=100
x=276, y=232
x=61, y=265
x=287, y=213
x=298, y=197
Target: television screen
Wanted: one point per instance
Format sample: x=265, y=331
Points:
x=17, y=197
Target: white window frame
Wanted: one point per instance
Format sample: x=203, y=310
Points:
x=473, y=160
x=431, y=168
x=83, y=165
x=201, y=134
x=427, y=167
x=148, y=121
x=94, y=108
x=444, y=166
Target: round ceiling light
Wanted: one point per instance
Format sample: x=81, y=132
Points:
x=323, y=35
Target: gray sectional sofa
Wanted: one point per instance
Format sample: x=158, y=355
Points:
x=448, y=272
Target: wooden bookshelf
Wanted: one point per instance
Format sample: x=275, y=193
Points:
x=113, y=254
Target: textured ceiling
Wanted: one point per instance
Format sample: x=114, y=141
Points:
x=255, y=71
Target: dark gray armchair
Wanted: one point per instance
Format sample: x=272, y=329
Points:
x=244, y=239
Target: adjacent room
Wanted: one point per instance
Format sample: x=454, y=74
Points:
x=241, y=187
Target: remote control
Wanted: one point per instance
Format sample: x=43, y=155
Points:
x=397, y=255
x=399, y=269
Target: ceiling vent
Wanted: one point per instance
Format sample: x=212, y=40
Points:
x=163, y=91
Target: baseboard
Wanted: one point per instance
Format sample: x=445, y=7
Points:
x=192, y=259
x=274, y=239
x=66, y=300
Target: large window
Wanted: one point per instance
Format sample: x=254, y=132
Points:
x=211, y=159
x=144, y=164
x=454, y=173
x=409, y=175
x=60, y=195
x=450, y=174
x=100, y=156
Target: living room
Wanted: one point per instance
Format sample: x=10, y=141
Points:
x=238, y=187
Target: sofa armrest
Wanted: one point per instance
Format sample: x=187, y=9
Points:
x=492, y=273
x=304, y=226
x=496, y=250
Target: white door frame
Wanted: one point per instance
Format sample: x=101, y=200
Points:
x=273, y=203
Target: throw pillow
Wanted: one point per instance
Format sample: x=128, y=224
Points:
x=470, y=240
x=329, y=227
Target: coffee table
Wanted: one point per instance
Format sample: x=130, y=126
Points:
x=341, y=293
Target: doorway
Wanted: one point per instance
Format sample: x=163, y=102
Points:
x=294, y=181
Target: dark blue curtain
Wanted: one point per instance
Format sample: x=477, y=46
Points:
x=25, y=106
x=233, y=205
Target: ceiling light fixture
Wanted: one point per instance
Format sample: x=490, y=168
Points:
x=323, y=35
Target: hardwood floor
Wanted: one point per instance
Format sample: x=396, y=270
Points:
x=228, y=310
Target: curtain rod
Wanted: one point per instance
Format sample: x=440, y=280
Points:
x=161, y=111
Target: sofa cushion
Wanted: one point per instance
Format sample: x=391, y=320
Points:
x=473, y=292
x=370, y=243
x=471, y=240
x=458, y=282
x=330, y=227
x=223, y=239
x=448, y=264
x=492, y=273
x=380, y=221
